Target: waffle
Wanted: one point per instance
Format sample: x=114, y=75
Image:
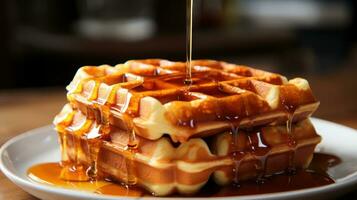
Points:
x=137, y=123
x=149, y=97
x=162, y=168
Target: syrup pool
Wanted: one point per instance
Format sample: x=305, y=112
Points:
x=316, y=175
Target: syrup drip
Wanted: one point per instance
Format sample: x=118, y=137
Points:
x=291, y=143
x=260, y=150
x=93, y=145
x=316, y=175
x=252, y=150
x=99, y=111
x=63, y=146
x=289, y=122
x=131, y=148
x=101, y=130
x=236, y=153
x=290, y=112
x=189, y=7
x=72, y=169
x=261, y=146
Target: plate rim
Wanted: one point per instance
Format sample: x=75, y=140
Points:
x=19, y=181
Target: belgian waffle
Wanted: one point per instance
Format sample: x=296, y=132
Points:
x=233, y=123
x=149, y=97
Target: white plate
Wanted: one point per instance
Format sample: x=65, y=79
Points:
x=40, y=145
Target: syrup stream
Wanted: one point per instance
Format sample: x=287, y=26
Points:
x=189, y=7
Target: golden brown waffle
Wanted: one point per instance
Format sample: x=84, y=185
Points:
x=163, y=168
x=149, y=96
x=232, y=123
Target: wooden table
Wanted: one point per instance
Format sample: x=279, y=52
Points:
x=27, y=109
x=21, y=111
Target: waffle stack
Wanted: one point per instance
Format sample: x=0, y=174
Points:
x=137, y=123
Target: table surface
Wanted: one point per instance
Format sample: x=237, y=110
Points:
x=22, y=110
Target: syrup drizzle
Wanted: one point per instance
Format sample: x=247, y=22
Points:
x=189, y=24
x=252, y=150
x=237, y=154
x=72, y=169
x=131, y=148
x=261, y=146
x=290, y=112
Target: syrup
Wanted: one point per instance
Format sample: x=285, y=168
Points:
x=260, y=150
x=98, y=115
x=120, y=190
x=72, y=168
x=237, y=154
x=189, y=10
x=316, y=175
x=49, y=173
x=131, y=148
x=290, y=112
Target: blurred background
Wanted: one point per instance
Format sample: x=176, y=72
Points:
x=44, y=42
